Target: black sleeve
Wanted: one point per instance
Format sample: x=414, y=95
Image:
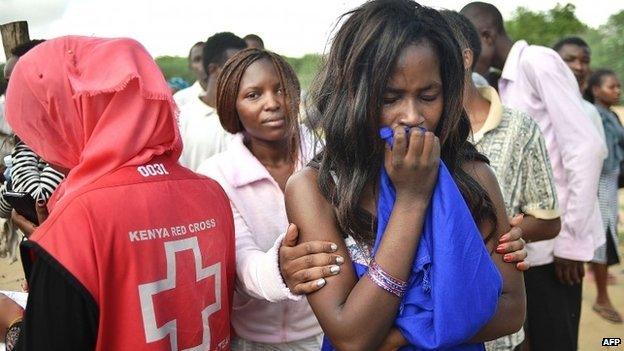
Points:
x=60, y=313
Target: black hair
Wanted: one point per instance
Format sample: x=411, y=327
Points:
x=254, y=37
x=465, y=33
x=228, y=86
x=595, y=80
x=570, y=41
x=485, y=13
x=199, y=43
x=216, y=46
x=21, y=49
x=348, y=91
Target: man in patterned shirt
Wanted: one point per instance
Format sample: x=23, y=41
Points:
x=515, y=146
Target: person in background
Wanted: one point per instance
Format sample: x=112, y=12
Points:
x=254, y=41
x=514, y=145
x=202, y=133
x=125, y=199
x=575, y=52
x=604, y=90
x=29, y=173
x=257, y=100
x=535, y=80
x=192, y=93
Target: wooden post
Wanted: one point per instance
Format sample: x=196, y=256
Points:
x=13, y=34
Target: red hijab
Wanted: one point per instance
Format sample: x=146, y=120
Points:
x=91, y=105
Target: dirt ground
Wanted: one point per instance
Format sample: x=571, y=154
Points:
x=593, y=328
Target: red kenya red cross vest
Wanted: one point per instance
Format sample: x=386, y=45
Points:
x=154, y=246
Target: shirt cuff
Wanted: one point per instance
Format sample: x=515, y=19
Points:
x=573, y=248
x=542, y=213
x=273, y=284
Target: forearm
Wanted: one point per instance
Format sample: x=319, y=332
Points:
x=507, y=320
x=534, y=229
x=259, y=275
x=355, y=312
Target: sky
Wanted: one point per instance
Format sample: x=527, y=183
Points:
x=289, y=27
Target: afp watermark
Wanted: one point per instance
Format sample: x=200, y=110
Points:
x=611, y=341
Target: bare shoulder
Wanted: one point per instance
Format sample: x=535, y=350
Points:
x=303, y=187
x=306, y=176
x=308, y=208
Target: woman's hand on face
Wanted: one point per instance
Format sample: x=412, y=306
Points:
x=512, y=246
x=304, y=266
x=27, y=227
x=412, y=164
x=9, y=312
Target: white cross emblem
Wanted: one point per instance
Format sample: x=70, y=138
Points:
x=147, y=291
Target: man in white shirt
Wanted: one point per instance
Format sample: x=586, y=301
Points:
x=201, y=130
x=195, y=65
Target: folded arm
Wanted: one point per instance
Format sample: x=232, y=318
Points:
x=343, y=307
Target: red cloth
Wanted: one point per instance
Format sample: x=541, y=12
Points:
x=65, y=101
x=151, y=242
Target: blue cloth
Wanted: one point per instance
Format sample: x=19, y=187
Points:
x=614, y=137
x=454, y=285
x=177, y=83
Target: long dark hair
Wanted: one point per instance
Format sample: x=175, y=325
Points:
x=595, y=80
x=228, y=85
x=347, y=95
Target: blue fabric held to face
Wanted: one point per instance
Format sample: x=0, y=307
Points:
x=454, y=286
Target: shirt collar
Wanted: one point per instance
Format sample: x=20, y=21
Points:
x=495, y=114
x=510, y=70
x=243, y=167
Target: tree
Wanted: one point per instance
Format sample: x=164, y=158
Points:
x=547, y=27
x=175, y=66
x=544, y=27
x=607, y=44
x=305, y=67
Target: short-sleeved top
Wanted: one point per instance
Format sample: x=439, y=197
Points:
x=517, y=152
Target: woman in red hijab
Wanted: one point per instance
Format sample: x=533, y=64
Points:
x=138, y=252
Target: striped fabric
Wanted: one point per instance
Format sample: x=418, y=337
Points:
x=29, y=174
x=608, y=201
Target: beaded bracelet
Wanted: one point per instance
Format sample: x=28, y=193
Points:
x=12, y=333
x=386, y=281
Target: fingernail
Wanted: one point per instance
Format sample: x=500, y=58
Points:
x=334, y=247
x=335, y=269
x=320, y=282
x=339, y=260
x=507, y=258
x=500, y=248
x=41, y=202
x=503, y=238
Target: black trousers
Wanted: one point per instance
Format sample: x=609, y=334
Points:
x=553, y=310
